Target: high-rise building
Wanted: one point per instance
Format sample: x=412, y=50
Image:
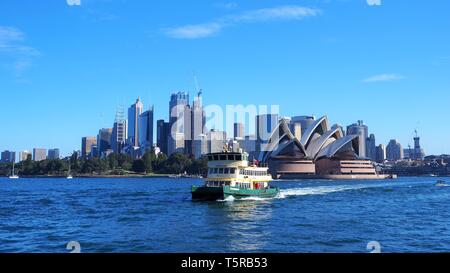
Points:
x=371, y=148
x=419, y=153
x=265, y=124
x=197, y=137
x=239, y=130
x=361, y=130
x=24, y=155
x=119, y=132
x=394, y=151
x=248, y=144
x=39, y=154
x=104, y=141
x=179, y=122
x=162, y=135
x=381, y=153
x=8, y=157
x=299, y=124
x=133, y=122
x=216, y=141
x=146, y=129
x=86, y=145
x=53, y=154
x=200, y=147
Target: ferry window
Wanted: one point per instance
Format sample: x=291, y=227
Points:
x=231, y=157
x=210, y=158
x=239, y=157
x=241, y=172
x=223, y=157
x=210, y=171
x=226, y=171
x=216, y=157
x=220, y=170
x=216, y=170
x=232, y=170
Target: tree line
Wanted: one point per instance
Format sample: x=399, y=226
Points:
x=113, y=164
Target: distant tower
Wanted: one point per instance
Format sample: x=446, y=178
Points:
x=418, y=152
x=133, y=122
x=119, y=133
x=361, y=130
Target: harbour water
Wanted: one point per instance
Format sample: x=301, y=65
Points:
x=157, y=215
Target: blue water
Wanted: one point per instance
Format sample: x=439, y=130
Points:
x=157, y=215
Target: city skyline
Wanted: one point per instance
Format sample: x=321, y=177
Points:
x=395, y=83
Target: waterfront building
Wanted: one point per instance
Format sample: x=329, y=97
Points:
x=381, y=153
x=39, y=154
x=394, y=151
x=265, y=125
x=179, y=123
x=86, y=145
x=24, y=155
x=239, y=130
x=371, y=148
x=162, y=135
x=53, y=154
x=119, y=132
x=321, y=152
x=146, y=130
x=216, y=141
x=104, y=141
x=8, y=157
x=134, y=111
x=362, y=131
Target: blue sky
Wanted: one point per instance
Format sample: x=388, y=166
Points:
x=66, y=64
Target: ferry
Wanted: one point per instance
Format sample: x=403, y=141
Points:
x=230, y=174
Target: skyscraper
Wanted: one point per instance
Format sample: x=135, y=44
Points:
x=53, y=154
x=381, y=153
x=239, y=130
x=119, y=132
x=419, y=153
x=216, y=141
x=265, y=124
x=8, y=157
x=371, y=148
x=363, y=132
x=104, y=141
x=146, y=129
x=39, y=154
x=133, y=122
x=86, y=145
x=197, y=136
x=162, y=135
x=24, y=155
x=394, y=151
x=179, y=122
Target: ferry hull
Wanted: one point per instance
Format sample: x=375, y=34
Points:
x=221, y=193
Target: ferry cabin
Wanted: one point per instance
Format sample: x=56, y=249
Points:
x=233, y=169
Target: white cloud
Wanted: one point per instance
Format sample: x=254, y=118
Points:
x=383, y=78
x=374, y=2
x=73, y=2
x=194, y=31
x=12, y=44
x=260, y=15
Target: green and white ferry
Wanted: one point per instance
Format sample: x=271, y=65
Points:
x=230, y=174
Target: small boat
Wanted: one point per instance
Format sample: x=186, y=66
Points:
x=13, y=173
x=69, y=176
x=230, y=174
x=440, y=183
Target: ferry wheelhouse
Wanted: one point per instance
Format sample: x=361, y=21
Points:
x=230, y=174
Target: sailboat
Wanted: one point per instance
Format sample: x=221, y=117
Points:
x=69, y=176
x=13, y=173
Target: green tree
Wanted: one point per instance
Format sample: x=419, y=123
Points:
x=138, y=166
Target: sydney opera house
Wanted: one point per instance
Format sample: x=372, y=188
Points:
x=309, y=148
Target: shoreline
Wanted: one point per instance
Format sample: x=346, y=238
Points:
x=109, y=176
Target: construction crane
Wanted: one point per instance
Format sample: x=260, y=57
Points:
x=197, y=86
